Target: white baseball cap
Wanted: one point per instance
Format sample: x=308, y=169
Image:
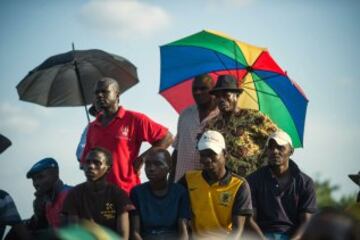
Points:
x=211, y=140
x=280, y=137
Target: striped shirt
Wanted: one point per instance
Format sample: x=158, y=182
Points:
x=188, y=128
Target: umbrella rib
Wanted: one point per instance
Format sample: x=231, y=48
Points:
x=252, y=98
x=260, y=91
x=222, y=62
x=261, y=80
x=62, y=68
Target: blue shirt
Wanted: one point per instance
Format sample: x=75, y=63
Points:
x=160, y=215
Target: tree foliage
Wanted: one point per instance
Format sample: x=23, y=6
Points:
x=325, y=198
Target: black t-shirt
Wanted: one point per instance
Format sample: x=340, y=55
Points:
x=103, y=207
x=278, y=206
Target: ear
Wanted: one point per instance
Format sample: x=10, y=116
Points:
x=291, y=151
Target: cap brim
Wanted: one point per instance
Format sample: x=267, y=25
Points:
x=214, y=147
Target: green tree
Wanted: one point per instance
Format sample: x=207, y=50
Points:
x=324, y=193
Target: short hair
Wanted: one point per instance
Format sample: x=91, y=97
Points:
x=107, y=154
x=205, y=78
x=155, y=150
x=110, y=82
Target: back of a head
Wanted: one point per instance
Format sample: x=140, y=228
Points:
x=332, y=224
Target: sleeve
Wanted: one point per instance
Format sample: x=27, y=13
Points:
x=242, y=202
x=307, y=199
x=252, y=184
x=69, y=205
x=9, y=214
x=184, y=208
x=175, y=144
x=150, y=130
x=122, y=201
x=265, y=126
x=135, y=200
x=182, y=181
x=88, y=145
x=81, y=145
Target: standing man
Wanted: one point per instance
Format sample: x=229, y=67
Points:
x=191, y=121
x=50, y=192
x=96, y=199
x=220, y=201
x=283, y=197
x=122, y=132
x=245, y=130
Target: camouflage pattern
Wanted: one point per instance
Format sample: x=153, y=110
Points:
x=245, y=136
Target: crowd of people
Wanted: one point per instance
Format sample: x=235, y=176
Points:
x=230, y=175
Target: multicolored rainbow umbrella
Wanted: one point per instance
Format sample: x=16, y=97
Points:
x=267, y=87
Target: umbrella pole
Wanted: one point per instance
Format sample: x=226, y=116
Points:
x=80, y=84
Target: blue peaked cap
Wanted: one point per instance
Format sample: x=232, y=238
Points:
x=41, y=165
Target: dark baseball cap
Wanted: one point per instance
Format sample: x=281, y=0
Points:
x=41, y=165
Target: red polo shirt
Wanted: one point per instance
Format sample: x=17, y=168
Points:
x=123, y=137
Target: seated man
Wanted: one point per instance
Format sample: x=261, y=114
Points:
x=50, y=193
x=283, y=197
x=96, y=199
x=220, y=201
x=162, y=208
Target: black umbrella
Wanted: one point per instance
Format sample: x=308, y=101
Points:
x=4, y=143
x=69, y=79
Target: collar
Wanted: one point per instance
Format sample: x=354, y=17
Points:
x=222, y=182
x=120, y=114
x=58, y=187
x=293, y=167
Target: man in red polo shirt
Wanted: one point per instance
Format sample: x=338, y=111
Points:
x=121, y=132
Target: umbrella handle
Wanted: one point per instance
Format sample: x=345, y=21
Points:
x=80, y=84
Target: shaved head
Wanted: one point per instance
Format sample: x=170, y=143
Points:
x=206, y=79
x=107, y=81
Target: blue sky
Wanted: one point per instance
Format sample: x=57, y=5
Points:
x=316, y=42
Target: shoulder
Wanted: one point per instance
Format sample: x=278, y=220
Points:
x=140, y=188
x=257, y=176
x=177, y=187
x=78, y=188
x=188, y=111
x=306, y=181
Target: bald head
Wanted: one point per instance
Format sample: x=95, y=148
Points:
x=107, y=95
x=201, y=86
x=107, y=81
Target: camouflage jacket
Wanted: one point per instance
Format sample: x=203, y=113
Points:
x=245, y=136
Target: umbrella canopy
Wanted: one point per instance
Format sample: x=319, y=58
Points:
x=69, y=79
x=4, y=143
x=267, y=87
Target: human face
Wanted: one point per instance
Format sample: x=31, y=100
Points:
x=278, y=155
x=213, y=163
x=106, y=96
x=95, y=166
x=156, y=167
x=200, y=91
x=226, y=101
x=44, y=181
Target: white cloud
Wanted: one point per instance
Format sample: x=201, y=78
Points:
x=124, y=18
x=16, y=119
